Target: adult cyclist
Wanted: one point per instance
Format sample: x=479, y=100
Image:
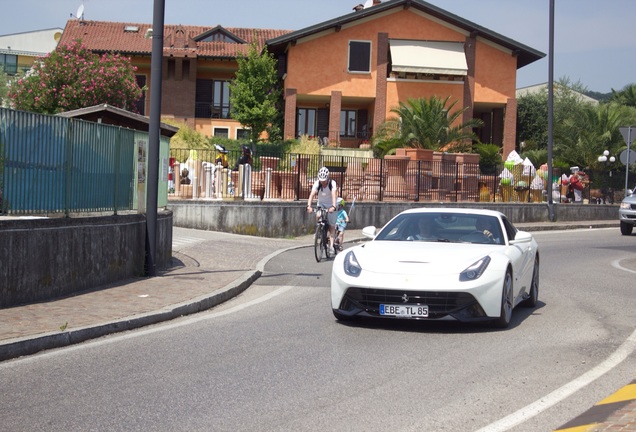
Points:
x=326, y=190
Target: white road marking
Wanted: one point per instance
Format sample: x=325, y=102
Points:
x=617, y=264
x=548, y=401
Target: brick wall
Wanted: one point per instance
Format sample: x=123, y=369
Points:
x=379, y=113
x=510, y=127
x=179, y=87
x=290, y=114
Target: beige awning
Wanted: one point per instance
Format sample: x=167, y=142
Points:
x=442, y=58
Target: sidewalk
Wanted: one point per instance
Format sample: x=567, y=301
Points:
x=207, y=272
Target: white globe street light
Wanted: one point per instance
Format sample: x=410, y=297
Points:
x=604, y=159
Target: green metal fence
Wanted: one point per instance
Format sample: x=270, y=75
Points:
x=50, y=164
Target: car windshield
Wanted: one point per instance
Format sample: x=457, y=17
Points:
x=443, y=227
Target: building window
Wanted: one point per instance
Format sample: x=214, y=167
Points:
x=141, y=103
x=360, y=56
x=9, y=63
x=172, y=67
x=306, y=122
x=243, y=134
x=348, y=123
x=212, y=99
x=221, y=132
x=218, y=37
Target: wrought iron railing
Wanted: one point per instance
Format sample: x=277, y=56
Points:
x=446, y=178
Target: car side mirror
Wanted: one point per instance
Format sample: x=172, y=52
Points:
x=521, y=237
x=629, y=192
x=369, y=232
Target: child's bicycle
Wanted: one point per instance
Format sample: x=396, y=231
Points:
x=321, y=237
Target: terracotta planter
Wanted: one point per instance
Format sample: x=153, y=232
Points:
x=472, y=158
x=396, y=165
x=418, y=154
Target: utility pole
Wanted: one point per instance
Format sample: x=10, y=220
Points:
x=154, y=134
x=551, y=214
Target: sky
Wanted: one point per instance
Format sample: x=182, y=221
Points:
x=594, y=41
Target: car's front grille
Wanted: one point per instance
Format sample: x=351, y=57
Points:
x=439, y=303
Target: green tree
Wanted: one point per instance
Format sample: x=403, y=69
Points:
x=532, y=119
x=626, y=96
x=583, y=138
x=4, y=82
x=73, y=77
x=186, y=137
x=537, y=156
x=489, y=157
x=429, y=124
x=532, y=111
x=254, y=93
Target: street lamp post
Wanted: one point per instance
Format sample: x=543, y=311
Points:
x=604, y=159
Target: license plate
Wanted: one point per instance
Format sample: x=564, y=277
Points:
x=404, y=311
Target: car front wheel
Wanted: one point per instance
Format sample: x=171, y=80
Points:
x=626, y=229
x=533, y=296
x=505, y=314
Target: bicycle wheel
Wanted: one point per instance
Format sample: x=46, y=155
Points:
x=318, y=243
x=325, y=241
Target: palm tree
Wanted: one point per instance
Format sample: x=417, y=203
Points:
x=428, y=124
x=580, y=140
x=627, y=96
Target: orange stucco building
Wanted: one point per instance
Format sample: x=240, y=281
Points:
x=341, y=78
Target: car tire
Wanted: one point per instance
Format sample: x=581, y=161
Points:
x=626, y=229
x=533, y=297
x=341, y=317
x=505, y=312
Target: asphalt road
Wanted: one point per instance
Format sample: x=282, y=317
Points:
x=274, y=358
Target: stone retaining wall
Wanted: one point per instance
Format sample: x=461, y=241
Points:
x=285, y=219
x=44, y=258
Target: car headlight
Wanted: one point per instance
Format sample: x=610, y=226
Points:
x=475, y=270
x=625, y=205
x=351, y=266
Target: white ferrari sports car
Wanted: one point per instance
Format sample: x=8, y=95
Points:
x=426, y=263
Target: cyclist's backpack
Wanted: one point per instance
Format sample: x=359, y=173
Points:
x=330, y=185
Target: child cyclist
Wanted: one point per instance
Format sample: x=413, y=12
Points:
x=342, y=219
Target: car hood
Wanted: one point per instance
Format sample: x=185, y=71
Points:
x=630, y=199
x=433, y=258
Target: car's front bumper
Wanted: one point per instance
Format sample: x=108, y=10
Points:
x=445, y=296
x=628, y=215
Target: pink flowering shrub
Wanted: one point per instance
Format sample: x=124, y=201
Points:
x=73, y=77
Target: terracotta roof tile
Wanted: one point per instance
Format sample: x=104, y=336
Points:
x=112, y=36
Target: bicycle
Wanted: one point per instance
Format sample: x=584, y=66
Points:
x=321, y=237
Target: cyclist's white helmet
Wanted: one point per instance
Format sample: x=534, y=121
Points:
x=323, y=174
